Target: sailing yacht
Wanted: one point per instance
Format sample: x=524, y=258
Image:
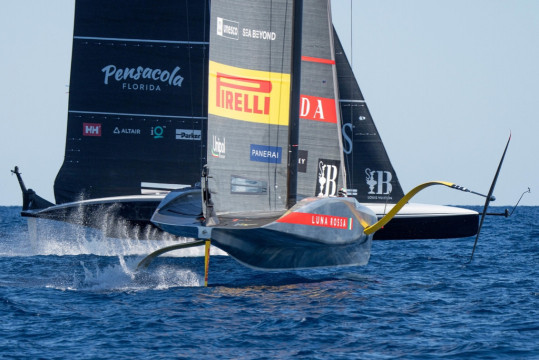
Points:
x=272, y=95
x=274, y=89
x=137, y=95
x=137, y=117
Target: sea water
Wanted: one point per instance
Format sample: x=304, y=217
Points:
x=68, y=292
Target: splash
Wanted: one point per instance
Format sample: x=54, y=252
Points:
x=48, y=237
x=123, y=277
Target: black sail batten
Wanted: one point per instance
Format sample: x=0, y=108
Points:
x=137, y=98
x=371, y=177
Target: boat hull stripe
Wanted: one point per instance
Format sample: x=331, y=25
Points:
x=335, y=222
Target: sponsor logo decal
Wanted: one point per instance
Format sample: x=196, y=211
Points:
x=248, y=95
x=243, y=94
x=318, y=109
x=185, y=134
x=91, y=129
x=347, y=134
x=379, y=183
x=218, y=148
x=259, y=34
x=335, y=222
x=118, y=131
x=267, y=154
x=228, y=28
x=231, y=30
x=157, y=131
x=328, y=173
x=302, y=160
x=142, y=78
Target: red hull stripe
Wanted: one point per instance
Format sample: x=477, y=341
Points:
x=318, y=60
x=335, y=222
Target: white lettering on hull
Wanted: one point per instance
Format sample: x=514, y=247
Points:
x=172, y=78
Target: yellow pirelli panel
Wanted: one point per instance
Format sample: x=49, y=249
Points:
x=248, y=95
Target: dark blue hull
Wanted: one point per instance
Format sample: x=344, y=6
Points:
x=317, y=232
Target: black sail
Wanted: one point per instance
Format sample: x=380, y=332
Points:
x=370, y=175
x=137, y=98
x=248, y=102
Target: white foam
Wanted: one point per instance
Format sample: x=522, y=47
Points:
x=123, y=277
x=48, y=237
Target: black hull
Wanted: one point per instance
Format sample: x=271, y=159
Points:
x=429, y=227
x=110, y=216
x=264, y=249
x=316, y=232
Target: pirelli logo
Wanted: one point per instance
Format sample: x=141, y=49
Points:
x=243, y=94
x=249, y=95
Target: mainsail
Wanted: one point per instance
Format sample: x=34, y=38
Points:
x=249, y=102
x=249, y=95
x=137, y=98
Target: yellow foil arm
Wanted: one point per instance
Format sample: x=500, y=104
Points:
x=380, y=223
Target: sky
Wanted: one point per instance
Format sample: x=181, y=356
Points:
x=446, y=83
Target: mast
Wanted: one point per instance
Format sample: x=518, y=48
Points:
x=293, y=134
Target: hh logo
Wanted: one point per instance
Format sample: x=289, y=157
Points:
x=91, y=129
x=248, y=95
x=242, y=94
x=379, y=181
x=328, y=173
x=318, y=109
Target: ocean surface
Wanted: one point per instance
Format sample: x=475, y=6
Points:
x=67, y=292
